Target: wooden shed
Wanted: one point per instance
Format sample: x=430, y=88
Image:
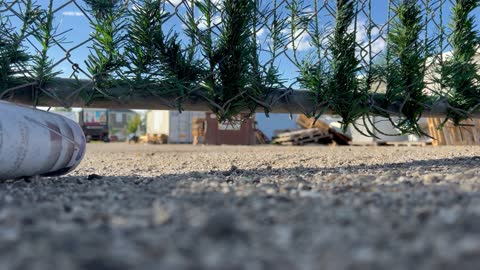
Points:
x=236, y=133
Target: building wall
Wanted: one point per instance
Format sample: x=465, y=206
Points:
x=70, y=115
x=158, y=122
x=231, y=134
x=181, y=126
x=177, y=126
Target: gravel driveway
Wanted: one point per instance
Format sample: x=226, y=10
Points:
x=228, y=208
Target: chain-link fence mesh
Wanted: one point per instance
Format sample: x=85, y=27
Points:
x=394, y=58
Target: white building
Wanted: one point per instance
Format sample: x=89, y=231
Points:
x=177, y=126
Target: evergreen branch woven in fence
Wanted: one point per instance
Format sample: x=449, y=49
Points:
x=402, y=59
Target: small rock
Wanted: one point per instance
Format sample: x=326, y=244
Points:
x=160, y=213
x=28, y=221
x=27, y=179
x=309, y=194
x=432, y=178
x=221, y=225
x=270, y=191
x=67, y=208
x=232, y=170
x=423, y=214
x=304, y=187
x=469, y=246
x=8, y=199
x=94, y=177
x=117, y=221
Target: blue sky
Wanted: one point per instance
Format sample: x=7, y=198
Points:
x=71, y=18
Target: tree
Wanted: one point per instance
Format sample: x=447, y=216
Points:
x=134, y=124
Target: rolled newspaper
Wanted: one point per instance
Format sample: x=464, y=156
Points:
x=35, y=142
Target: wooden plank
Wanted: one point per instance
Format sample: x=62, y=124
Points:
x=455, y=135
x=302, y=137
x=339, y=138
x=432, y=129
x=409, y=144
x=308, y=133
x=305, y=122
x=316, y=139
x=354, y=143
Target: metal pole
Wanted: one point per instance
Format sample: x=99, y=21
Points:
x=281, y=100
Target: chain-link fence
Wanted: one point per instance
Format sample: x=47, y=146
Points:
x=401, y=59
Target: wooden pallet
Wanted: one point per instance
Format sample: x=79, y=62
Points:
x=308, y=123
x=302, y=137
x=382, y=143
x=421, y=144
x=261, y=137
x=468, y=134
x=353, y=143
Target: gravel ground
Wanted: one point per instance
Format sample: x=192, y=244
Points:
x=185, y=207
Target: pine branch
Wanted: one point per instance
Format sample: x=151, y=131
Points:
x=406, y=72
x=235, y=55
x=147, y=19
x=335, y=82
x=106, y=58
x=13, y=57
x=346, y=98
x=459, y=74
x=46, y=34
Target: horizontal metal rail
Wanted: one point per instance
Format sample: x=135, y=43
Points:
x=64, y=93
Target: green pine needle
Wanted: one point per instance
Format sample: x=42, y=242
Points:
x=460, y=73
x=106, y=58
x=43, y=66
x=335, y=81
x=406, y=72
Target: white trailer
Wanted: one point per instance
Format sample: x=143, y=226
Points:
x=74, y=116
x=177, y=126
x=386, y=127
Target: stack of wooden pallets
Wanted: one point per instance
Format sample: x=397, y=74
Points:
x=261, y=137
x=305, y=136
x=467, y=134
x=308, y=123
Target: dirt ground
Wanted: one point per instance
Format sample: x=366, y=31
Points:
x=185, y=207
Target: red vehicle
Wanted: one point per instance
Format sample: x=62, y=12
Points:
x=94, y=123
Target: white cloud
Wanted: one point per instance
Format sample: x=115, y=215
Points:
x=73, y=13
x=377, y=45
x=261, y=32
x=217, y=2
x=202, y=23
x=302, y=43
x=300, y=39
x=175, y=2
